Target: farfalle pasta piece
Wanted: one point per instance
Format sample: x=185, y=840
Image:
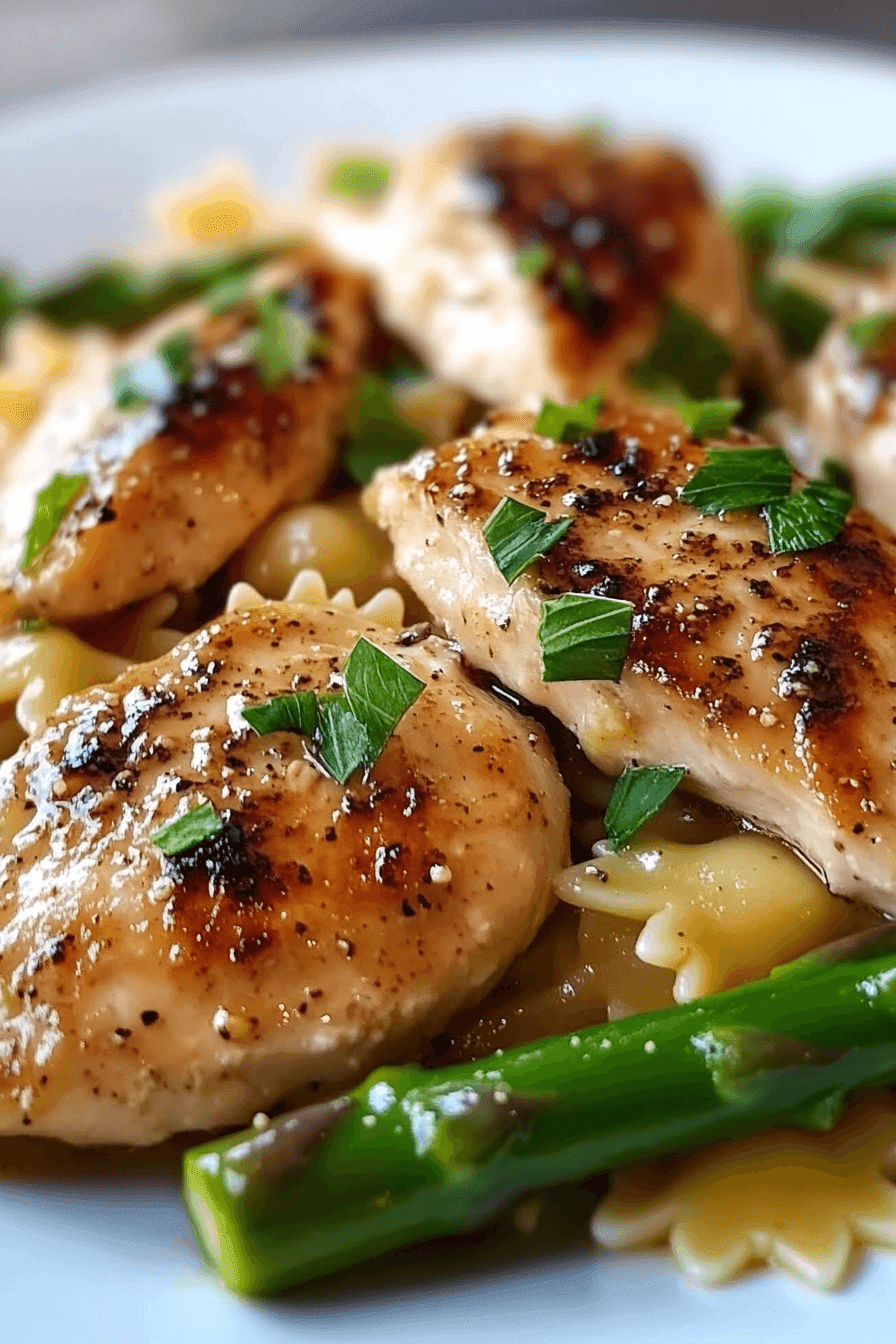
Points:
x=309, y=589
x=717, y=914
x=35, y=356
x=800, y=1202
x=221, y=206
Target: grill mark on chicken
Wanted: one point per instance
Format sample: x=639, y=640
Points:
x=624, y=223
x=771, y=677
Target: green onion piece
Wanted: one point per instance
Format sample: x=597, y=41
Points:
x=844, y=226
x=517, y=534
x=379, y=691
x=293, y=713
x=584, y=638
x=51, y=506
x=120, y=295
x=285, y=341
x=344, y=741
x=533, y=261
x=575, y=284
x=760, y=220
x=709, y=419
x=638, y=794
x=801, y=319
x=867, y=333
x=568, y=424
x=739, y=478
x=33, y=624
x=364, y=178
x=378, y=433
x=687, y=359
x=812, y=517
x=188, y=831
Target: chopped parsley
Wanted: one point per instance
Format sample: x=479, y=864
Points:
x=32, y=625
x=363, y=178
x=812, y=517
x=378, y=434
x=285, y=339
x=517, y=534
x=568, y=424
x=850, y=226
x=293, y=713
x=800, y=319
x=709, y=419
x=379, y=691
x=871, y=331
x=51, y=506
x=575, y=284
x=347, y=730
x=345, y=743
x=188, y=831
x=638, y=795
x=534, y=261
x=739, y=478
x=687, y=359
x=584, y=638
x=156, y=377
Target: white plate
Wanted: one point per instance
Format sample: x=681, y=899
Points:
x=93, y=1257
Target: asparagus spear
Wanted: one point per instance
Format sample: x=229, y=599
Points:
x=415, y=1153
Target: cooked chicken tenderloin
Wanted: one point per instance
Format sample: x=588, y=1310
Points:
x=325, y=930
x=772, y=678
x=526, y=263
x=178, y=481
x=844, y=401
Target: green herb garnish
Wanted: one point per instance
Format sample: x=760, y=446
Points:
x=709, y=419
x=227, y=295
x=119, y=294
x=739, y=478
x=800, y=319
x=293, y=713
x=364, y=178
x=870, y=332
x=156, y=377
x=568, y=424
x=517, y=534
x=584, y=638
x=32, y=625
x=344, y=744
x=575, y=284
x=535, y=260
x=834, y=473
x=379, y=692
x=285, y=340
x=812, y=517
x=378, y=433
x=638, y=795
x=188, y=831
x=51, y=506
x=847, y=226
x=687, y=359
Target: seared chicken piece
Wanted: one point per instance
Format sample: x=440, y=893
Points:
x=523, y=263
x=772, y=678
x=325, y=930
x=174, y=487
x=845, y=405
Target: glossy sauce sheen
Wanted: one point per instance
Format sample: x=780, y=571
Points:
x=174, y=489
x=772, y=678
x=327, y=929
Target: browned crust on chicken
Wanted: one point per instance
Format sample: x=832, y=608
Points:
x=174, y=489
x=773, y=678
x=325, y=930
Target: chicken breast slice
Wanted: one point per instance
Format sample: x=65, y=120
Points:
x=844, y=404
x=174, y=487
x=325, y=930
x=772, y=678
x=623, y=232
